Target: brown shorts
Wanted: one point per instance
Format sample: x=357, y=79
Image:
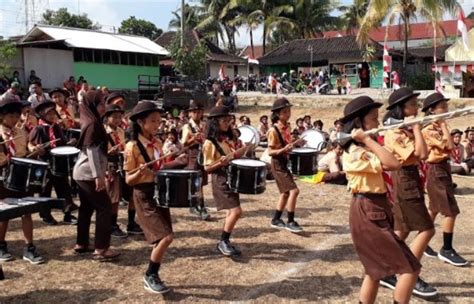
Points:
x=193, y=165
x=223, y=197
x=154, y=220
x=409, y=210
x=114, y=189
x=281, y=173
x=380, y=250
x=439, y=185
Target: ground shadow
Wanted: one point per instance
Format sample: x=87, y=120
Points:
x=61, y=296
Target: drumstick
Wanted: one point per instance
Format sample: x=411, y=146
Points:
x=157, y=160
x=42, y=146
x=8, y=140
x=113, y=148
x=230, y=154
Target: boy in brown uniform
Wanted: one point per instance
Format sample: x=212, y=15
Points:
x=439, y=180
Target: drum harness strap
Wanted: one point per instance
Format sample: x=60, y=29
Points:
x=144, y=153
x=113, y=158
x=282, y=141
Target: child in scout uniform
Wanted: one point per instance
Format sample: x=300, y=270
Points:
x=154, y=220
x=468, y=143
x=439, y=184
x=193, y=138
x=380, y=250
x=65, y=110
x=49, y=131
x=116, y=145
x=15, y=147
x=458, y=155
x=410, y=212
x=27, y=120
x=215, y=149
x=279, y=145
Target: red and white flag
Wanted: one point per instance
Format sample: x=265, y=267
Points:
x=252, y=60
x=222, y=74
x=462, y=27
x=387, y=63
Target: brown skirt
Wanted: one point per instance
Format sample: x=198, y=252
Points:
x=114, y=189
x=281, y=173
x=193, y=165
x=223, y=197
x=409, y=210
x=154, y=220
x=380, y=250
x=439, y=185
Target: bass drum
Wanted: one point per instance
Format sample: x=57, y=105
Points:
x=314, y=140
x=249, y=134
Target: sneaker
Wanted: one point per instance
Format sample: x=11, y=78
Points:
x=389, y=282
x=69, y=219
x=5, y=256
x=123, y=203
x=424, y=289
x=429, y=252
x=204, y=214
x=118, y=233
x=49, y=220
x=154, y=284
x=195, y=210
x=294, y=227
x=226, y=248
x=134, y=229
x=31, y=255
x=451, y=257
x=237, y=251
x=278, y=223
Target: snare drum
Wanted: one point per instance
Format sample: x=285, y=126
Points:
x=24, y=174
x=177, y=188
x=63, y=160
x=314, y=140
x=249, y=134
x=247, y=176
x=303, y=161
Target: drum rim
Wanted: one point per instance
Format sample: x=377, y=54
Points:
x=235, y=162
x=29, y=161
x=299, y=150
x=173, y=171
x=54, y=150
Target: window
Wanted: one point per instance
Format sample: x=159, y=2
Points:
x=147, y=59
x=350, y=69
x=87, y=55
x=106, y=56
x=236, y=70
x=78, y=55
x=114, y=57
x=154, y=60
x=132, y=59
x=123, y=58
x=97, y=56
x=140, y=59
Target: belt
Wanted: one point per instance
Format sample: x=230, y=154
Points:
x=370, y=195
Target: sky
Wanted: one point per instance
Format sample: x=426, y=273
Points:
x=109, y=13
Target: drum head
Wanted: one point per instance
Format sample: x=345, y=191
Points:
x=177, y=171
x=65, y=151
x=303, y=150
x=29, y=161
x=248, y=163
x=249, y=134
x=314, y=139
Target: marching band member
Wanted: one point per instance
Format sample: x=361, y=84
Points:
x=216, y=150
x=380, y=250
x=154, y=220
x=65, y=110
x=90, y=176
x=468, y=143
x=458, y=159
x=410, y=212
x=439, y=183
x=16, y=146
x=279, y=145
x=27, y=120
x=193, y=138
x=49, y=131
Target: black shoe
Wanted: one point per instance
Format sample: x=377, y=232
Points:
x=134, y=229
x=227, y=249
x=204, y=214
x=451, y=257
x=31, y=255
x=69, y=219
x=154, y=284
x=389, y=282
x=195, y=210
x=118, y=233
x=5, y=256
x=429, y=252
x=49, y=220
x=237, y=251
x=294, y=227
x=424, y=289
x=278, y=223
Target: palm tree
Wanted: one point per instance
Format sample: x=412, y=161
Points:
x=352, y=15
x=191, y=15
x=404, y=11
x=312, y=17
x=247, y=16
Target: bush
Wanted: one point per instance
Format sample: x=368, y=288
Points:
x=425, y=81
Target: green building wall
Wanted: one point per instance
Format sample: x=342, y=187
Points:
x=113, y=76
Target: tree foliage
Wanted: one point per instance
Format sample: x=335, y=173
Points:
x=62, y=17
x=189, y=61
x=7, y=52
x=139, y=27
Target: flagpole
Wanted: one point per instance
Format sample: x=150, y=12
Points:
x=248, y=75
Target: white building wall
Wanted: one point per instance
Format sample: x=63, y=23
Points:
x=52, y=66
x=213, y=70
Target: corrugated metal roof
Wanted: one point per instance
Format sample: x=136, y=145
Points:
x=90, y=39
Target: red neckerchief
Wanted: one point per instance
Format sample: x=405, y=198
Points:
x=11, y=143
x=456, y=154
x=52, y=137
x=117, y=140
x=285, y=132
x=156, y=153
x=69, y=118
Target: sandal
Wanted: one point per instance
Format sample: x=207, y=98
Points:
x=105, y=255
x=82, y=250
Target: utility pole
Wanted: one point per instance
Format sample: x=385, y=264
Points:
x=310, y=48
x=26, y=16
x=182, y=23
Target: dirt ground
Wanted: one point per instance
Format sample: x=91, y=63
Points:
x=276, y=266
